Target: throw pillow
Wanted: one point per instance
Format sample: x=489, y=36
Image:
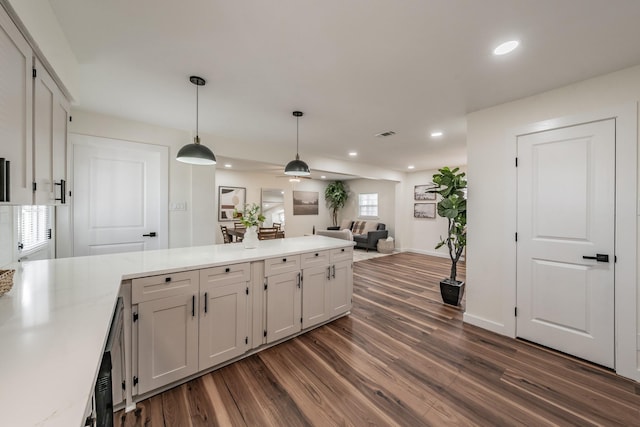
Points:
x=358, y=227
x=345, y=224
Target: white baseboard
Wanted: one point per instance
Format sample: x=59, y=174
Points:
x=487, y=324
x=426, y=252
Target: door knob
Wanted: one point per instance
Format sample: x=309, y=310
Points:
x=598, y=257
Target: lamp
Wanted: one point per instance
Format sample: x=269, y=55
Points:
x=297, y=167
x=196, y=153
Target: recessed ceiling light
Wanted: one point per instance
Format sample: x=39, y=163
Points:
x=506, y=47
x=353, y=153
x=227, y=165
x=323, y=177
x=436, y=134
x=411, y=167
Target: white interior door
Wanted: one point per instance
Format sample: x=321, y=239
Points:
x=120, y=196
x=566, y=201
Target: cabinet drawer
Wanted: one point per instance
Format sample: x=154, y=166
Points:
x=314, y=259
x=283, y=264
x=342, y=254
x=229, y=274
x=165, y=285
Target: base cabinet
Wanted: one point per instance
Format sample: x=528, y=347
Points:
x=224, y=293
x=341, y=287
x=284, y=305
x=167, y=341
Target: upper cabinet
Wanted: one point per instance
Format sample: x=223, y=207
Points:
x=33, y=125
x=50, y=117
x=16, y=102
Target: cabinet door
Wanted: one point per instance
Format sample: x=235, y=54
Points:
x=316, y=299
x=341, y=287
x=15, y=113
x=43, y=100
x=283, y=305
x=223, y=323
x=167, y=340
x=61, y=112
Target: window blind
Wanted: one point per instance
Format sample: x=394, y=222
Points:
x=33, y=227
x=368, y=204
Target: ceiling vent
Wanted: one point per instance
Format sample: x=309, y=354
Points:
x=384, y=134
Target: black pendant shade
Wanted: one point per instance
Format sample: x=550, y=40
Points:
x=196, y=153
x=297, y=167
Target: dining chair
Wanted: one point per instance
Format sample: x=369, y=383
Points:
x=265, y=233
x=277, y=225
x=225, y=235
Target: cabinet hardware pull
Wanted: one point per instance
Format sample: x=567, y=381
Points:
x=206, y=300
x=63, y=191
x=334, y=271
x=342, y=249
x=5, y=180
x=284, y=260
x=167, y=279
x=226, y=270
x=299, y=280
x=193, y=306
x=328, y=273
x=317, y=254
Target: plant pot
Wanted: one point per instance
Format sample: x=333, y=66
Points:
x=250, y=239
x=451, y=291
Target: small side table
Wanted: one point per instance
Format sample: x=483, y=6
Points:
x=385, y=246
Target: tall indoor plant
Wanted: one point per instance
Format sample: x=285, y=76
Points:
x=451, y=185
x=336, y=196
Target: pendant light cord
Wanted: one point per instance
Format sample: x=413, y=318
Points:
x=297, y=137
x=197, y=110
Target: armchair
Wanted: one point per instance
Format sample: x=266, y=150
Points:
x=370, y=239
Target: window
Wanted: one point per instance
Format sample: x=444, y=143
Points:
x=33, y=227
x=368, y=205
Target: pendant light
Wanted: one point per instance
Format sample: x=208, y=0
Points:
x=297, y=167
x=196, y=153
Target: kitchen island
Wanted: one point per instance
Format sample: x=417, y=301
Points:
x=55, y=320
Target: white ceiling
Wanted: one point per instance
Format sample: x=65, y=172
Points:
x=355, y=67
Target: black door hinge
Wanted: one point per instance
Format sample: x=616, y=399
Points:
x=265, y=333
x=135, y=381
x=515, y=311
x=265, y=286
x=301, y=320
x=516, y=162
x=516, y=237
x=247, y=290
x=124, y=385
x=34, y=186
x=246, y=340
x=135, y=317
x=70, y=118
x=34, y=73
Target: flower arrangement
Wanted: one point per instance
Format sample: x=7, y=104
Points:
x=251, y=216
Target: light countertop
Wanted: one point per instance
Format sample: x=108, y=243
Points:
x=55, y=320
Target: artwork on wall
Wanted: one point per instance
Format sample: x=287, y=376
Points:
x=229, y=199
x=420, y=192
x=424, y=210
x=305, y=202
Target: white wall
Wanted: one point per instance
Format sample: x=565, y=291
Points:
x=193, y=185
x=296, y=225
x=492, y=185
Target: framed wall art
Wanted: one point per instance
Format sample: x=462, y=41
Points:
x=421, y=192
x=305, y=202
x=229, y=199
x=424, y=210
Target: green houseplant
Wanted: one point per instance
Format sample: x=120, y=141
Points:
x=336, y=196
x=451, y=185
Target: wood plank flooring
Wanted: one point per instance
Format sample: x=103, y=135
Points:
x=401, y=358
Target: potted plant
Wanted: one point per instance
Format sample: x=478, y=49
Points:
x=251, y=218
x=450, y=184
x=336, y=196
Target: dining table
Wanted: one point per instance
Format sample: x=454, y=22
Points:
x=236, y=233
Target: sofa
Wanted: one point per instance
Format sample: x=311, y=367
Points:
x=365, y=233
x=336, y=234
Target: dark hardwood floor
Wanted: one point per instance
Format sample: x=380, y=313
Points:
x=400, y=358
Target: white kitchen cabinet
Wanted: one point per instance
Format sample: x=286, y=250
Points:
x=50, y=116
x=316, y=298
x=224, y=293
x=167, y=333
x=340, y=288
x=16, y=100
x=284, y=305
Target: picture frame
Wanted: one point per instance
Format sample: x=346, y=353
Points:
x=230, y=199
x=420, y=192
x=305, y=202
x=424, y=210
